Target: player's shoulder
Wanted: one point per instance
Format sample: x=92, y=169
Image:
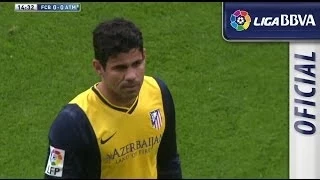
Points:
x=68, y=127
x=155, y=82
x=73, y=111
x=82, y=96
x=70, y=121
x=69, y=116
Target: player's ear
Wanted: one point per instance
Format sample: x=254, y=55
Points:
x=144, y=53
x=97, y=66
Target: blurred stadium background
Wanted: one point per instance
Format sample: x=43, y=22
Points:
x=231, y=98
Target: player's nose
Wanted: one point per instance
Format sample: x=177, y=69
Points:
x=131, y=74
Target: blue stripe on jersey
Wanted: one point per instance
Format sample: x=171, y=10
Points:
x=168, y=160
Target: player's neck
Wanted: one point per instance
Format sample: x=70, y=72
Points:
x=114, y=98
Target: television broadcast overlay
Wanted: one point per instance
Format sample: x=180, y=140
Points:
x=299, y=24
x=47, y=7
x=243, y=77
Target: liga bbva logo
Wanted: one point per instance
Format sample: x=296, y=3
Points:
x=240, y=20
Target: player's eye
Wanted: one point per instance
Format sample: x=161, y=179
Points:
x=120, y=67
x=137, y=63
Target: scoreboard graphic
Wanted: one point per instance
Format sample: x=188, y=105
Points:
x=47, y=7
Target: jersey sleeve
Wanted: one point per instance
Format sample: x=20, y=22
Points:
x=168, y=161
x=72, y=150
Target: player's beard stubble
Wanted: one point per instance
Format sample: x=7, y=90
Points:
x=125, y=92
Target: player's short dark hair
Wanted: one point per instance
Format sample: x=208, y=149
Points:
x=115, y=36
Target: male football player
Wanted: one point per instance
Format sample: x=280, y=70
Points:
x=122, y=126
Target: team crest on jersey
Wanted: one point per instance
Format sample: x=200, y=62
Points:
x=156, y=119
x=55, y=162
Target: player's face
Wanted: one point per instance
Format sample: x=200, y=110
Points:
x=124, y=74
